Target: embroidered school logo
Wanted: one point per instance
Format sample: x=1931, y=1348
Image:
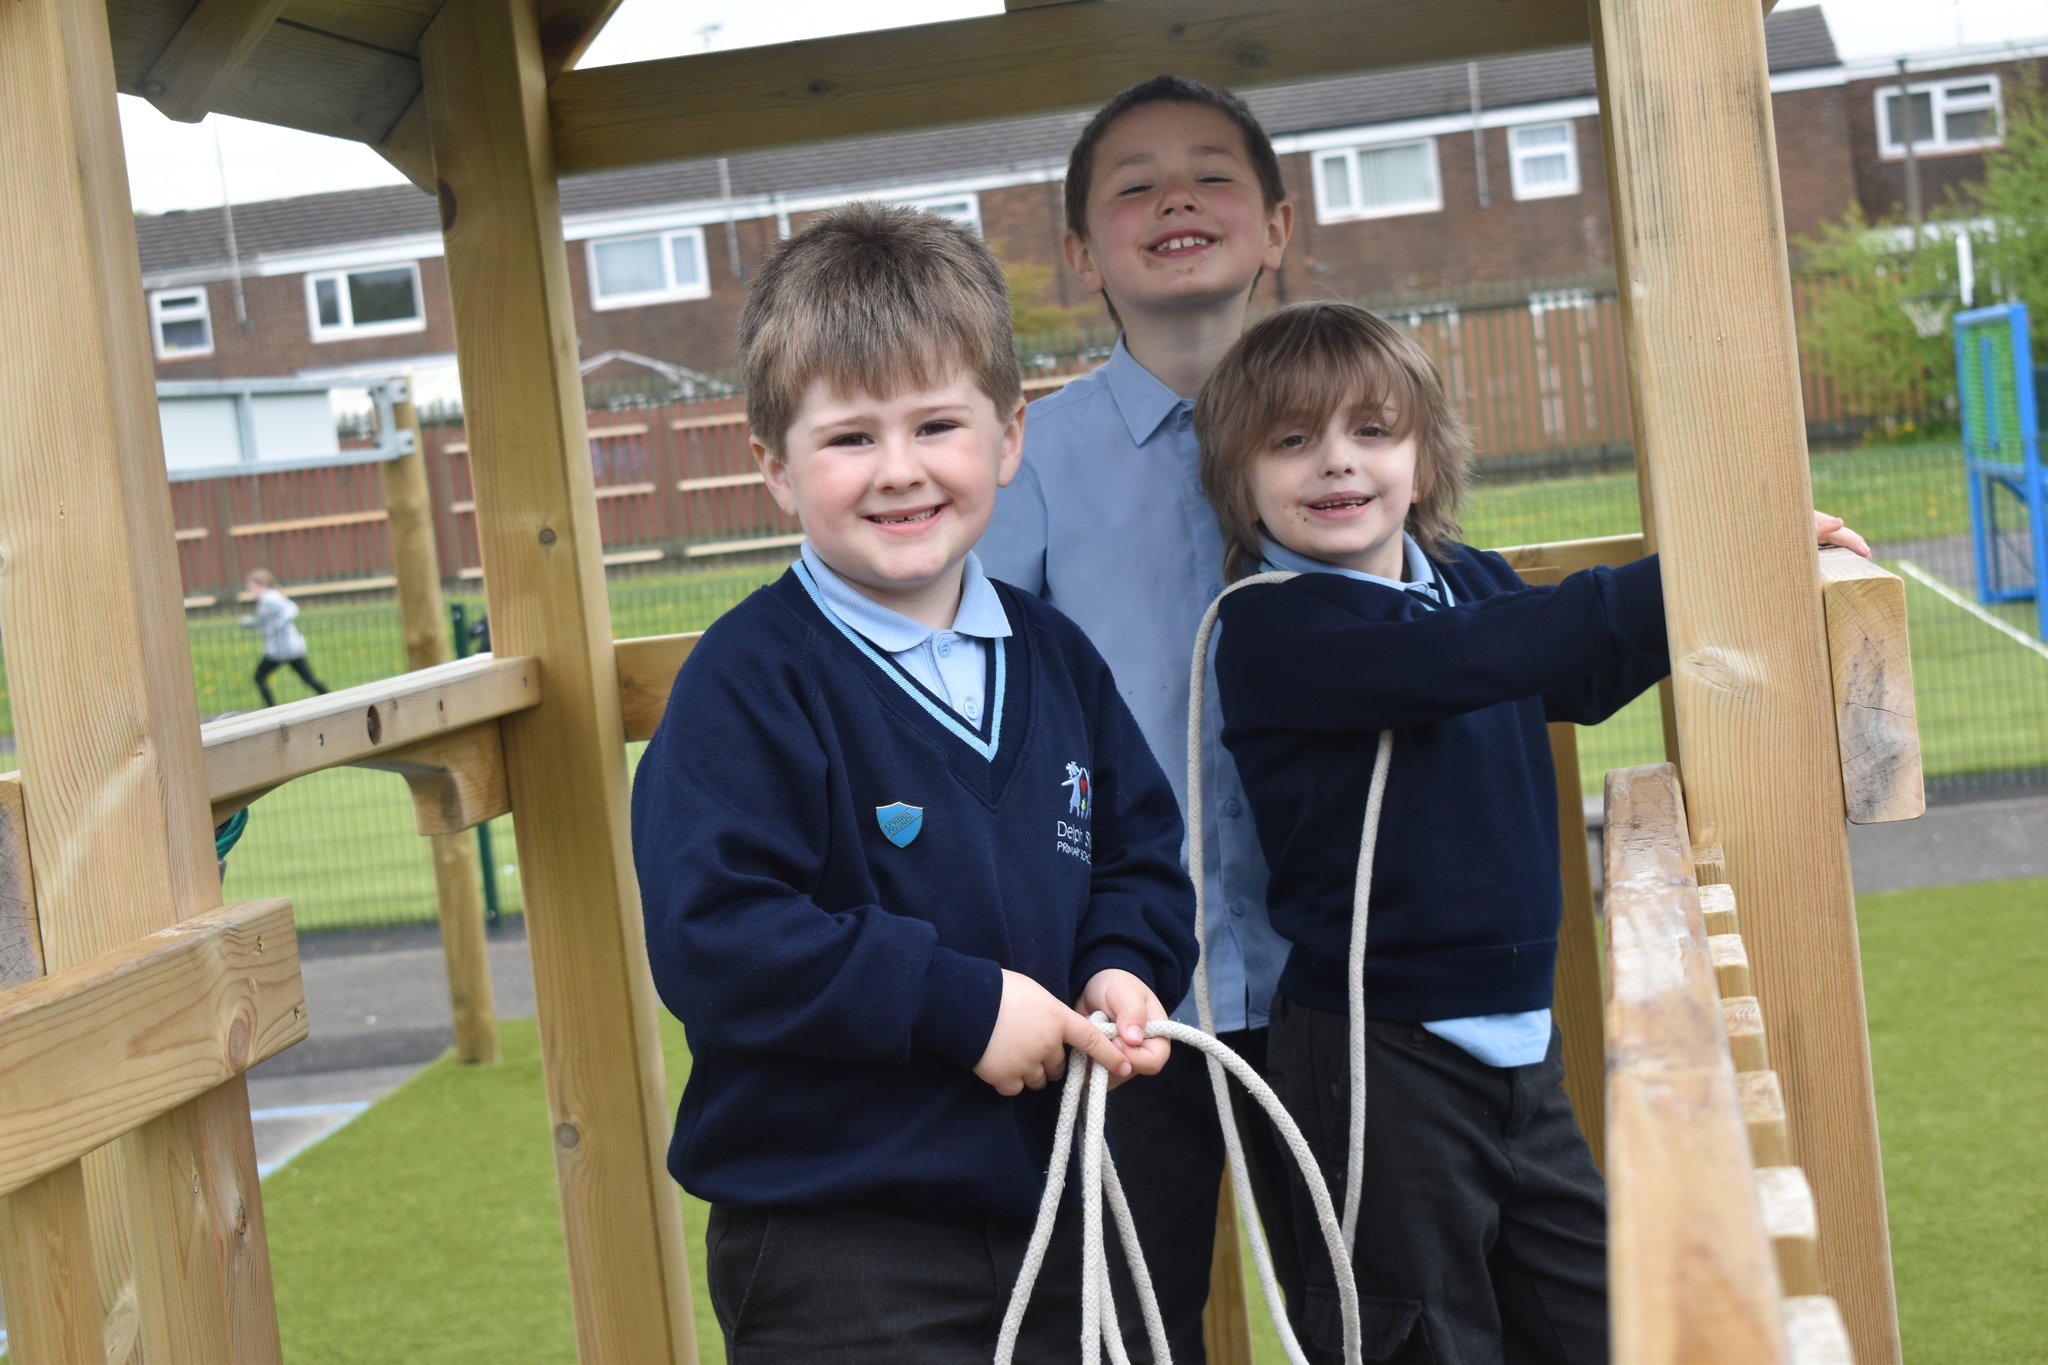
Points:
x=900, y=823
x=1078, y=795
x=1071, y=835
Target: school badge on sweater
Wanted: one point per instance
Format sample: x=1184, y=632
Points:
x=900, y=823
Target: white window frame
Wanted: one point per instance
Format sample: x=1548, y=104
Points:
x=1517, y=154
x=1928, y=141
x=1326, y=214
x=671, y=291
x=159, y=315
x=969, y=203
x=347, y=329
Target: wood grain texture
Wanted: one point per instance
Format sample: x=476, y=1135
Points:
x=1699, y=228
x=1731, y=964
x=252, y=754
x=1717, y=906
x=1763, y=1110
x=565, y=759
x=216, y=38
x=1743, y=1019
x=303, y=78
x=1787, y=1203
x=1815, y=1332
x=46, y=1264
x=21, y=940
x=457, y=781
x=1226, y=1317
x=394, y=25
x=1570, y=556
x=94, y=1051
x=1876, y=725
x=1012, y=66
x=117, y=809
x=1690, y=1263
x=647, y=671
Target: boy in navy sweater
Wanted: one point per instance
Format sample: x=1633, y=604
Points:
x=1329, y=449
x=895, y=820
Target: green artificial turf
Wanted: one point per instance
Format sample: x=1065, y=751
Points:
x=427, y=1231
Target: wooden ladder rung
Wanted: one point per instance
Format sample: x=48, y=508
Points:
x=1744, y=1019
x=1793, y=1224
x=1717, y=906
x=1731, y=965
x=1815, y=1333
x=1763, y=1111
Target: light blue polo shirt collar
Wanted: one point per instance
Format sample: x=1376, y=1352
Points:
x=980, y=613
x=1141, y=398
x=1422, y=573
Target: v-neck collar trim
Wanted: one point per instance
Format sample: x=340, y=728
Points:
x=986, y=747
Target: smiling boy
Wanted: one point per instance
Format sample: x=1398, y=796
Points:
x=895, y=820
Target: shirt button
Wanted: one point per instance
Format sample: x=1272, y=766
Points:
x=1233, y=807
x=1237, y=909
x=945, y=646
x=971, y=708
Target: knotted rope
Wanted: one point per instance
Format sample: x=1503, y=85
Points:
x=1089, y=1079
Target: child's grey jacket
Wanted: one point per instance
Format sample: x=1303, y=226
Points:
x=274, y=616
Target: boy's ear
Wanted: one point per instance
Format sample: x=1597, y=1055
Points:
x=774, y=473
x=1279, y=227
x=1012, y=458
x=1082, y=260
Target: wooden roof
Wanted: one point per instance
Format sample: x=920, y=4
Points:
x=350, y=68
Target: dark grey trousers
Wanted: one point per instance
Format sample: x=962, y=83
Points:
x=1482, y=1237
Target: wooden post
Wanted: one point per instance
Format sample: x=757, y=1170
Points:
x=458, y=891
x=1226, y=1318
x=565, y=759
x=117, y=810
x=1698, y=226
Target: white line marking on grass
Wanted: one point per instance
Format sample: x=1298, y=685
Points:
x=308, y=1111
x=1926, y=579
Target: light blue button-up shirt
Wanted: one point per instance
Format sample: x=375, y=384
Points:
x=1107, y=522
x=953, y=663
x=1517, y=1039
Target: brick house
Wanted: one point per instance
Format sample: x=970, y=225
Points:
x=1411, y=185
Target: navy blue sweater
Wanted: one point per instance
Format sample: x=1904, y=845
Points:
x=838, y=988
x=1465, y=896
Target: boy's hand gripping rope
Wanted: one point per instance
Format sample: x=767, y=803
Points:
x=1087, y=1077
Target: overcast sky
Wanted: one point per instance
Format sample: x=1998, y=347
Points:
x=172, y=165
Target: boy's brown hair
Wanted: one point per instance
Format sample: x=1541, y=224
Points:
x=873, y=298
x=1294, y=369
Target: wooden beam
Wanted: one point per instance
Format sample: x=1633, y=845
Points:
x=1763, y=1112
x=254, y=753
x=1010, y=66
x=647, y=670
x=216, y=38
x=1688, y=104
x=1815, y=1333
x=21, y=940
x=93, y=1051
x=1226, y=1318
x=1570, y=556
x=117, y=810
x=1787, y=1203
x=1876, y=725
x=1690, y=1263
x=565, y=759
x=1743, y=1020
x=457, y=781
x=1717, y=906
x=1731, y=964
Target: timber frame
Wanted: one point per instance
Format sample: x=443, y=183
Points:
x=130, y=1216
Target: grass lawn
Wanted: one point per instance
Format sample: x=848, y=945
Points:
x=427, y=1231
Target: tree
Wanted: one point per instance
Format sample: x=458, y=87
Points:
x=1857, y=331
x=2010, y=231
x=1033, y=314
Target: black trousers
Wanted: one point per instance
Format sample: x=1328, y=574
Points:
x=1482, y=1236
x=896, y=1285
x=298, y=666
x=1169, y=1151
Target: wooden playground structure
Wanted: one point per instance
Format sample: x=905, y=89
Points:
x=1736, y=1121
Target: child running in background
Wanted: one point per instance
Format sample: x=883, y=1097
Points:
x=896, y=834
x=1174, y=207
x=282, y=643
x=1329, y=449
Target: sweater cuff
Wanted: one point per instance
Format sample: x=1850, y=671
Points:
x=1106, y=956
x=961, y=997
x=1635, y=606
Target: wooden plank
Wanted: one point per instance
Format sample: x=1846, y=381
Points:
x=1763, y=1111
x=1226, y=1317
x=1689, y=1260
x=624, y=490
x=646, y=556
x=1731, y=964
x=716, y=419
x=707, y=482
x=614, y=432
x=406, y=146
x=251, y=754
x=1717, y=906
x=1012, y=66
x=21, y=940
x=92, y=1052
x=1743, y=1019
x=394, y=25
x=302, y=78
x=647, y=671
x=1787, y=1203
x=1570, y=556
x=1815, y=1332
x=191, y=533
x=1876, y=725
x=734, y=547
x=216, y=38
x=271, y=528
x=328, y=589
x=457, y=781
x=1710, y=322
x=117, y=813
x=537, y=529
x=53, y=1311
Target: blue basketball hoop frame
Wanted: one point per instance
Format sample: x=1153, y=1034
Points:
x=2001, y=414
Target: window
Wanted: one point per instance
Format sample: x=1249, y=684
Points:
x=1948, y=116
x=1543, y=160
x=180, y=323
x=1377, y=182
x=365, y=303
x=631, y=272
x=964, y=209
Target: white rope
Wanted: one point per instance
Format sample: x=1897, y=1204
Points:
x=1089, y=1079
